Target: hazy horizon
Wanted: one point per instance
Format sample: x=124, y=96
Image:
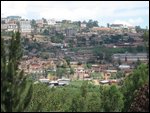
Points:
x=132, y=13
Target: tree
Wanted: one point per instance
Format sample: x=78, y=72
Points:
x=58, y=38
x=71, y=71
x=100, y=56
x=119, y=61
x=16, y=92
x=141, y=100
x=89, y=65
x=84, y=22
x=68, y=59
x=92, y=23
x=33, y=23
x=93, y=102
x=74, y=105
x=95, y=23
x=138, y=29
x=107, y=56
x=119, y=74
x=44, y=20
x=46, y=32
x=112, y=99
x=140, y=48
x=133, y=82
x=146, y=41
x=45, y=55
x=40, y=100
x=60, y=72
x=84, y=89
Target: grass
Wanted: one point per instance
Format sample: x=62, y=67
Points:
x=76, y=83
x=97, y=75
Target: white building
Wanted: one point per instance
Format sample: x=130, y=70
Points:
x=132, y=29
x=44, y=80
x=51, y=22
x=124, y=66
x=4, y=20
x=25, y=26
x=130, y=57
x=16, y=18
x=12, y=27
x=116, y=26
x=83, y=25
x=40, y=23
x=63, y=81
x=4, y=27
x=104, y=81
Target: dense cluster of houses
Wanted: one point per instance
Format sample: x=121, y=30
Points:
x=76, y=37
x=36, y=65
x=25, y=26
x=14, y=23
x=39, y=66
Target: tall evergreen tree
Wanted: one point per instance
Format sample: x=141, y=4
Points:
x=15, y=90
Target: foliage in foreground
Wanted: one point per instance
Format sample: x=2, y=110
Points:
x=15, y=91
x=133, y=82
x=141, y=100
x=84, y=98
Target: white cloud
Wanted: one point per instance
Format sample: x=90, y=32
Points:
x=130, y=22
x=14, y=8
x=137, y=21
x=122, y=22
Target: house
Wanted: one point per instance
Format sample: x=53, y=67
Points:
x=128, y=71
x=111, y=71
x=9, y=26
x=98, y=29
x=82, y=25
x=73, y=63
x=113, y=82
x=12, y=27
x=124, y=66
x=63, y=81
x=51, y=22
x=16, y=18
x=116, y=26
x=107, y=75
x=96, y=68
x=53, y=83
x=25, y=26
x=104, y=81
x=4, y=26
x=4, y=20
x=57, y=44
x=44, y=80
x=132, y=29
x=79, y=72
x=60, y=82
x=40, y=23
x=109, y=82
x=70, y=32
x=66, y=21
x=130, y=57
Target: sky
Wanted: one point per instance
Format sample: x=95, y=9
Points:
x=131, y=13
